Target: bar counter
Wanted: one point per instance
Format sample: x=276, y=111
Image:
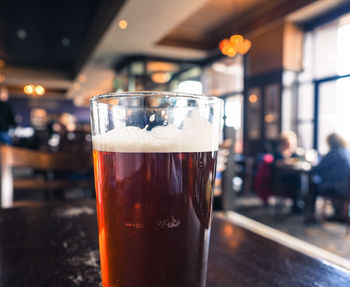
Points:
x=56, y=244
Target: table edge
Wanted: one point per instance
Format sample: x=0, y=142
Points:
x=287, y=240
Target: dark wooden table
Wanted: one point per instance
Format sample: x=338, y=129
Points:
x=57, y=245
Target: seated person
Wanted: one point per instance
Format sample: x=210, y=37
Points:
x=331, y=176
x=287, y=145
x=286, y=155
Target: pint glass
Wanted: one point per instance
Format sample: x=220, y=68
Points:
x=154, y=162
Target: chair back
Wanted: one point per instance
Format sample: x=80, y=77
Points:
x=10, y=157
x=79, y=162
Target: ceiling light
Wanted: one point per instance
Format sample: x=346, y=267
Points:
x=162, y=67
x=123, y=24
x=28, y=89
x=82, y=78
x=244, y=47
x=269, y=118
x=39, y=90
x=65, y=42
x=236, y=44
x=236, y=39
x=160, y=77
x=22, y=34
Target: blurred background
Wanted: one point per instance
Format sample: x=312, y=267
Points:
x=282, y=68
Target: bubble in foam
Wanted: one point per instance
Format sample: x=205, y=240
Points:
x=196, y=135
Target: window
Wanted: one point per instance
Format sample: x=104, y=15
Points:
x=306, y=115
x=343, y=50
x=334, y=115
x=191, y=87
x=233, y=112
x=234, y=118
x=325, y=50
x=326, y=63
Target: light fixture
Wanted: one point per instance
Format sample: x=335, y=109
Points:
x=157, y=66
x=160, y=77
x=32, y=90
x=39, y=90
x=65, y=42
x=236, y=39
x=269, y=118
x=123, y=24
x=21, y=34
x=29, y=89
x=253, y=98
x=236, y=44
x=82, y=78
x=2, y=63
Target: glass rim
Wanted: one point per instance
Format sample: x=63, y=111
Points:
x=159, y=94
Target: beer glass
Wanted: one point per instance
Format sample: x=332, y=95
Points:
x=154, y=162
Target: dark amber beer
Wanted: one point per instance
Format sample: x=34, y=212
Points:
x=154, y=162
x=153, y=214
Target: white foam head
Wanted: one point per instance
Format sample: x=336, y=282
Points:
x=197, y=135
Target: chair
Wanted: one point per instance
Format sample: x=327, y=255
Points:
x=263, y=182
x=344, y=200
x=66, y=163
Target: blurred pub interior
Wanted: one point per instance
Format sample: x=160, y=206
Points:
x=279, y=65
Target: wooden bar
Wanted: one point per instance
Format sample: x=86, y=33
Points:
x=57, y=245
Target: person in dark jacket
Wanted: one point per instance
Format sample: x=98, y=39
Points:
x=331, y=176
x=7, y=117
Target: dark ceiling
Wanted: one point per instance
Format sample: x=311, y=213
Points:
x=54, y=35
